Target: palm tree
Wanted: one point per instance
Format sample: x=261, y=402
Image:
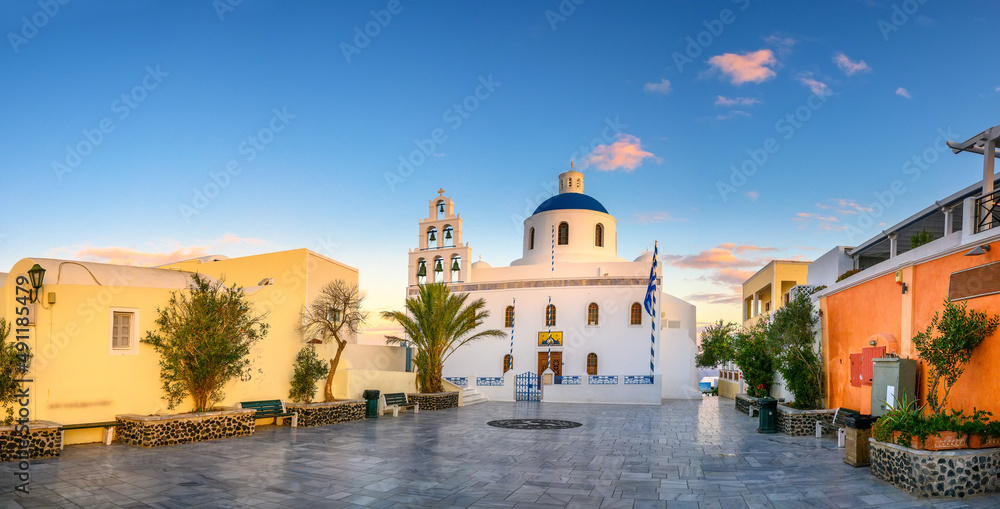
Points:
x=438, y=322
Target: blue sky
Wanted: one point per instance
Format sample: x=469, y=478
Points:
x=119, y=114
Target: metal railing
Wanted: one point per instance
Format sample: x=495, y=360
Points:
x=987, y=212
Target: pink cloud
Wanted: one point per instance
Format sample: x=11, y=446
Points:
x=625, y=153
x=128, y=256
x=850, y=66
x=817, y=87
x=746, y=68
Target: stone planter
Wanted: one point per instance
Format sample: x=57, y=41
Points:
x=160, y=430
x=801, y=423
x=325, y=413
x=42, y=441
x=435, y=400
x=925, y=474
x=980, y=442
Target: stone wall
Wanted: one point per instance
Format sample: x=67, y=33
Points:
x=434, y=401
x=322, y=414
x=957, y=473
x=802, y=423
x=744, y=402
x=160, y=430
x=42, y=441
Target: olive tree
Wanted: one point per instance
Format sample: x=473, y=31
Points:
x=204, y=339
x=334, y=316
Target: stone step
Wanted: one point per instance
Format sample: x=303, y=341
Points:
x=471, y=396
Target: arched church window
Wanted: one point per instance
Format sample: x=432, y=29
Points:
x=592, y=314
x=421, y=271
x=563, y=233
x=635, y=314
x=439, y=270
x=531, y=238
x=550, y=315
x=592, y=364
x=506, y=363
x=440, y=209
x=449, y=236
x=432, y=238
x=456, y=269
x=508, y=317
x=599, y=235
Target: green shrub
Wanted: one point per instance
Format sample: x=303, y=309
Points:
x=753, y=353
x=920, y=238
x=13, y=366
x=847, y=274
x=797, y=356
x=309, y=369
x=959, y=332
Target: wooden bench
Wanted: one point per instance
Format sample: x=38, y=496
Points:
x=840, y=417
x=395, y=401
x=109, y=429
x=270, y=408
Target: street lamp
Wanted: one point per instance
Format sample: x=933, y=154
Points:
x=37, y=274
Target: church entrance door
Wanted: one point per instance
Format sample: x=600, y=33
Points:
x=543, y=362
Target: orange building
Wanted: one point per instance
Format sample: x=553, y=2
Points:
x=900, y=287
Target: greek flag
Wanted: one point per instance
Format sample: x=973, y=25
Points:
x=650, y=301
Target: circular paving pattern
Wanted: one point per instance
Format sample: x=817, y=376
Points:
x=533, y=424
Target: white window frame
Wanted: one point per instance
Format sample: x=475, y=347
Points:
x=133, y=332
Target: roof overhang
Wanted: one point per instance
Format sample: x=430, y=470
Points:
x=977, y=143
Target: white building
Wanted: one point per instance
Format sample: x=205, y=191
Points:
x=569, y=298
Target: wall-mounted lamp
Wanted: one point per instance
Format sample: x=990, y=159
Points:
x=36, y=274
x=978, y=250
x=904, y=287
x=873, y=342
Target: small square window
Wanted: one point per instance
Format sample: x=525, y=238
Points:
x=122, y=333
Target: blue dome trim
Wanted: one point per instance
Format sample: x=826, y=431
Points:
x=570, y=201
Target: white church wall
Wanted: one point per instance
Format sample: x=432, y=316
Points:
x=647, y=394
x=678, y=350
x=580, y=248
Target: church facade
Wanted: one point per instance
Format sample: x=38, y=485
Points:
x=573, y=311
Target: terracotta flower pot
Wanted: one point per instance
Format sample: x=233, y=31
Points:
x=914, y=441
x=945, y=440
x=981, y=442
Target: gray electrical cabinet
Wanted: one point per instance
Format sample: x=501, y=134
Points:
x=892, y=378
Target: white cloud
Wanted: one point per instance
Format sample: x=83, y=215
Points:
x=817, y=87
x=735, y=101
x=850, y=66
x=902, y=92
x=663, y=87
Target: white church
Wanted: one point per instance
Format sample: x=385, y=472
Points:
x=571, y=308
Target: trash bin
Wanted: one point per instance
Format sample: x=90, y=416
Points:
x=768, y=415
x=371, y=397
x=859, y=430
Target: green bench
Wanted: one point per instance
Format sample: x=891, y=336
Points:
x=270, y=408
x=840, y=417
x=395, y=401
x=109, y=429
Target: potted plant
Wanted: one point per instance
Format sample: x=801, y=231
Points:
x=981, y=431
x=944, y=431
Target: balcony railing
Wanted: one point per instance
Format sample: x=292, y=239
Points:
x=987, y=212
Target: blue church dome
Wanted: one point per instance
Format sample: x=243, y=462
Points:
x=570, y=201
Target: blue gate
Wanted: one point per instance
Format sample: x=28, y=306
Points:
x=526, y=387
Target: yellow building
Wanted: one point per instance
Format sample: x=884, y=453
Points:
x=84, y=332
x=767, y=290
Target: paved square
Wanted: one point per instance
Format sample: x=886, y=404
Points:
x=695, y=454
